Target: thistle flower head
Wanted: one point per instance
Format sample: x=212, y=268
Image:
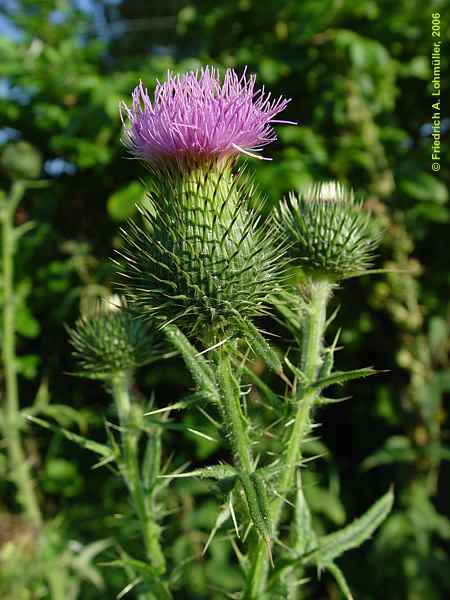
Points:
x=200, y=257
x=329, y=232
x=112, y=340
x=195, y=117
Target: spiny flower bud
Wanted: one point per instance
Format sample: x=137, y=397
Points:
x=112, y=340
x=330, y=234
x=201, y=258
x=195, y=117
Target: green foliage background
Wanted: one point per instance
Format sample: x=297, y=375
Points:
x=359, y=75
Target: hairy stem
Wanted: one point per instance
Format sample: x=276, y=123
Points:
x=232, y=412
x=235, y=422
x=20, y=467
x=132, y=472
x=313, y=330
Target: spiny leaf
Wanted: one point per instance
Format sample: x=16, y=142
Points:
x=335, y=544
x=302, y=379
x=322, y=400
x=340, y=579
x=180, y=405
x=222, y=517
x=99, y=449
x=146, y=571
x=258, y=504
x=269, y=472
x=274, y=400
x=231, y=403
x=217, y=472
x=152, y=460
x=83, y=562
x=198, y=365
x=396, y=449
x=328, y=358
x=64, y=415
x=291, y=306
x=260, y=346
x=340, y=377
x=305, y=538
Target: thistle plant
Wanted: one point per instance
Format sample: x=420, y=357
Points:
x=330, y=239
x=110, y=344
x=33, y=555
x=201, y=264
x=200, y=261
x=23, y=164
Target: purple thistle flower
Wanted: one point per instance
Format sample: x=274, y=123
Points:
x=196, y=117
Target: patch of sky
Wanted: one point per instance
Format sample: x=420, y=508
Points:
x=57, y=166
x=9, y=134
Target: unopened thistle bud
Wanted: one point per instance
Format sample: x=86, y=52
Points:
x=112, y=340
x=330, y=234
x=200, y=257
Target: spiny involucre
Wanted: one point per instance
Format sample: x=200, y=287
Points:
x=113, y=340
x=329, y=232
x=195, y=117
x=200, y=257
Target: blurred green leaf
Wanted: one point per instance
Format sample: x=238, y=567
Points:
x=123, y=204
x=352, y=536
x=396, y=449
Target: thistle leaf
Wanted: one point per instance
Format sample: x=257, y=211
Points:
x=261, y=346
x=274, y=400
x=302, y=379
x=258, y=504
x=340, y=377
x=305, y=538
x=64, y=415
x=340, y=579
x=217, y=472
x=148, y=574
x=222, y=517
x=335, y=544
x=152, y=460
x=198, y=365
x=291, y=306
x=396, y=449
x=322, y=400
x=99, y=449
x=328, y=358
x=82, y=562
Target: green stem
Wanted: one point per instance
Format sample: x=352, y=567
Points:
x=19, y=464
x=313, y=330
x=235, y=421
x=56, y=580
x=232, y=412
x=132, y=473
